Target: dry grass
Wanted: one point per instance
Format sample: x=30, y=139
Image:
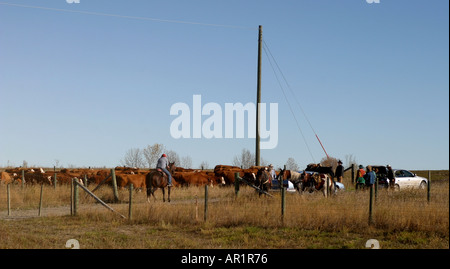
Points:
x=400, y=220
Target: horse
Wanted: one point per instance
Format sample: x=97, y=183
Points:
x=263, y=181
x=292, y=176
x=158, y=179
x=313, y=181
x=312, y=167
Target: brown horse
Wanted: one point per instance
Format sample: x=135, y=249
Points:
x=315, y=182
x=293, y=176
x=158, y=179
x=263, y=181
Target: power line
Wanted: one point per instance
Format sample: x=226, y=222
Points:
x=295, y=98
x=290, y=89
x=287, y=101
x=129, y=17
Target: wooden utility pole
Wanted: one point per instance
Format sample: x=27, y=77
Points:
x=258, y=97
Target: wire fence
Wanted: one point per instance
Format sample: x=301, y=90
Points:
x=412, y=210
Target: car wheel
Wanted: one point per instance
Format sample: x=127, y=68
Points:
x=423, y=185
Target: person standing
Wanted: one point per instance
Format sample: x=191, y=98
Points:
x=360, y=181
x=339, y=172
x=273, y=176
x=391, y=177
x=370, y=176
x=163, y=164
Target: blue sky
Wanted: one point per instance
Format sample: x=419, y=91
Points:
x=83, y=88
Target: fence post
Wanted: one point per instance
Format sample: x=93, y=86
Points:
x=54, y=179
x=71, y=198
x=85, y=180
x=78, y=184
x=114, y=183
x=8, y=191
x=376, y=188
x=429, y=186
x=23, y=178
x=370, y=205
x=353, y=173
x=236, y=183
x=196, y=208
x=328, y=187
x=130, y=202
x=40, y=200
x=283, y=202
x=281, y=179
x=206, y=202
x=75, y=197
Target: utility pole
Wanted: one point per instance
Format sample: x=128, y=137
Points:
x=258, y=97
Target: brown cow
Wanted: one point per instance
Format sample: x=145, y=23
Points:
x=138, y=180
x=5, y=178
x=227, y=172
x=32, y=176
x=195, y=178
x=127, y=170
x=97, y=176
x=221, y=167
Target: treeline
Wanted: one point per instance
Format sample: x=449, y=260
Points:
x=148, y=156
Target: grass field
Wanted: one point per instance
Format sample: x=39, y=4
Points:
x=401, y=220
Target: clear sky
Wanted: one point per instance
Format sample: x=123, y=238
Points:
x=83, y=88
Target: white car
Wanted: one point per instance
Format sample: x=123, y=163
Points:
x=404, y=179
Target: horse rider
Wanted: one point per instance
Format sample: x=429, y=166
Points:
x=163, y=164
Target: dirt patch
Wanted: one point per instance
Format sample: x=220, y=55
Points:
x=45, y=212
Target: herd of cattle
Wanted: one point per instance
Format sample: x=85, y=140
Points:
x=221, y=175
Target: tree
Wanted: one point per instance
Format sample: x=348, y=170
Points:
x=204, y=165
x=263, y=162
x=152, y=154
x=291, y=164
x=133, y=158
x=186, y=162
x=172, y=156
x=329, y=162
x=350, y=159
x=246, y=160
